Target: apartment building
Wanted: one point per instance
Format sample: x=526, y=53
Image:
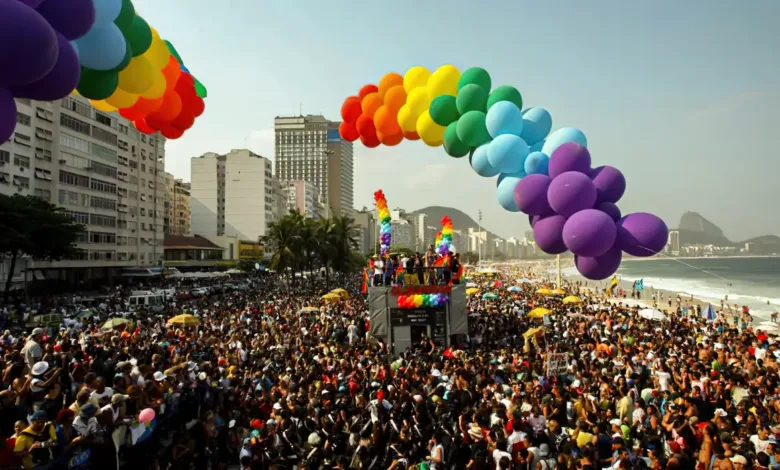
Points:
x=177, y=205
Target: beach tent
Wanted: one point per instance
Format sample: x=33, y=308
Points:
x=544, y=291
x=538, y=312
x=572, y=299
x=490, y=296
x=514, y=289
x=652, y=314
x=709, y=313
x=472, y=291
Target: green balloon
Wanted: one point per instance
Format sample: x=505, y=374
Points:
x=97, y=84
x=139, y=36
x=173, y=51
x=452, y=144
x=505, y=93
x=471, y=97
x=444, y=110
x=472, y=130
x=126, y=16
x=126, y=60
x=475, y=76
x=200, y=89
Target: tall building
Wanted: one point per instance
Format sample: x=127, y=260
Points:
x=401, y=234
x=310, y=148
x=674, y=242
x=365, y=220
x=177, y=205
x=232, y=195
x=303, y=196
x=106, y=174
x=420, y=225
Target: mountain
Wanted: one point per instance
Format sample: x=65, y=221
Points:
x=696, y=229
x=460, y=220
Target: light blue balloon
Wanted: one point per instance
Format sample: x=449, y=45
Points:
x=106, y=11
x=536, y=164
x=518, y=175
x=504, y=117
x=537, y=147
x=184, y=69
x=537, y=123
x=507, y=152
x=505, y=193
x=480, y=164
x=562, y=136
x=102, y=48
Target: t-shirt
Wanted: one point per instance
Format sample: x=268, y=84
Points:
x=378, y=267
x=32, y=352
x=500, y=454
x=663, y=379
x=24, y=442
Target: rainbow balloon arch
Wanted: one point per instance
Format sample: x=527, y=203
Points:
x=549, y=176
x=385, y=227
x=102, y=50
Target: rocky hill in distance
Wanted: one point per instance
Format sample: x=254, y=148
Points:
x=695, y=229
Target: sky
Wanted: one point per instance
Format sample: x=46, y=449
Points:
x=682, y=97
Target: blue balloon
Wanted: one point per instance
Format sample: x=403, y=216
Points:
x=102, y=48
x=505, y=193
x=563, y=136
x=184, y=69
x=537, y=147
x=508, y=152
x=519, y=175
x=503, y=118
x=479, y=162
x=106, y=11
x=536, y=164
x=537, y=123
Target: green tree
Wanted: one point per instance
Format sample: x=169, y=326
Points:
x=34, y=227
x=282, y=239
x=344, y=240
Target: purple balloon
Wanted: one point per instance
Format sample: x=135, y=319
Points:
x=610, y=183
x=58, y=83
x=29, y=46
x=570, y=193
x=642, y=234
x=533, y=219
x=601, y=267
x=531, y=195
x=589, y=233
x=32, y=3
x=548, y=234
x=610, y=209
x=71, y=18
x=7, y=114
x=569, y=157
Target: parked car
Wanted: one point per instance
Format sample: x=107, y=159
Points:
x=199, y=291
x=47, y=320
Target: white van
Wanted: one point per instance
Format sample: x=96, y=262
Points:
x=151, y=301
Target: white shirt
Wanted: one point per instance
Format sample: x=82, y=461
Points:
x=498, y=455
x=663, y=379
x=85, y=427
x=378, y=267
x=32, y=352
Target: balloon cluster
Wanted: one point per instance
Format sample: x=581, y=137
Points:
x=422, y=300
x=443, y=244
x=384, y=222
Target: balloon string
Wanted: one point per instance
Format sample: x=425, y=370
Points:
x=686, y=264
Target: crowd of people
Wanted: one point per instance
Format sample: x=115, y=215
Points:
x=429, y=268
x=276, y=377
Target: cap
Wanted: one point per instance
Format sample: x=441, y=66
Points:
x=37, y=331
x=119, y=398
x=277, y=406
x=39, y=415
x=739, y=459
x=89, y=410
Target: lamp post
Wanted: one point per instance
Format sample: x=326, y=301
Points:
x=479, y=237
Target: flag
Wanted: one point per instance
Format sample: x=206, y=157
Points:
x=640, y=285
x=613, y=282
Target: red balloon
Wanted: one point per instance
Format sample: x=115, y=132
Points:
x=197, y=106
x=172, y=71
x=184, y=120
x=351, y=109
x=390, y=139
x=365, y=126
x=370, y=142
x=411, y=136
x=143, y=127
x=171, y=132
x=154, y=121
x=170, y=108
x=146, y=107
x=348, y=131
x=368, y=89
x=131, y=114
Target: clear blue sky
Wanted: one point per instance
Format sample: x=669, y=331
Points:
x=683, y=97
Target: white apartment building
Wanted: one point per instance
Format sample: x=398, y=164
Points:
x=401, y=234
x=233, y=195
x=303, y=196
x=177, y=205
x=106, y=174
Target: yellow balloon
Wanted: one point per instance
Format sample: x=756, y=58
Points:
x=158, y=52
x=122, y=99
x=415, y=77
x=157, y=89
x=406, y=119
x=138, y=76
x=444, y=81
x=101, y=105
x=430, y=132
x=418, y=101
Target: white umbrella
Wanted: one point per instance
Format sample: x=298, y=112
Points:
x=652, y=314
x=472, y=284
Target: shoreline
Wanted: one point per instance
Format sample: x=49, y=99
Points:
x=667, y=257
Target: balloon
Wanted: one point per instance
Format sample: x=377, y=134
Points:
x=139, y=36
x=390, y=139
x=172, y=71
x=125, y=59
x=504, y=118
x=415, y=77
x=34, y=4
x=71, y=18
x=642, y=234
x=158, y=87
x=157, y=53
x=502, y=176
x=537, y=123
x=570, y=156
x=533, y=219
x=395, y=98
x=589, y=232
x=385, y=122
x=411, y=135
x=443, y=110
x=96, y=84
x=170, y=132
x=505, y=193
x=146, y=416
x=418, y=101
x=101, y=105
x=536, y=162
x=184, y=120
x=120, y=98
x=537, y=147
x=126, y=15
x=430, y=132
x=610, y=209
x=599, y=267
x=348, y=131
x=610, y=183
x=367, y=90
x=562, y=136
x=370, y=104
x=452, y=144
x=172, y=50
x=171, y=107
x=505, y=93
x=28, y=45
x=7, y=114
x=200, y=89
x=370, y=141
x=444, y=81
x=548, y=234
x=571, y=192
x=406, y=119
x=475, y=76
x=472, y=130
x=102, y=48
x=531, y=195
x=106, y=11
x=59, y=82
x=471, y=98
x=389, y=81
x=365, y=126
x=480, y=164
x=138, y=77
x=507, y=153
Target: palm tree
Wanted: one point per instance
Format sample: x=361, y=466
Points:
x=344, y=240
x=282, y=238
x=325, y=248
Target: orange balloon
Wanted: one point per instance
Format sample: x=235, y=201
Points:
x=370, y=104
x=146, y=107
x=389, y=81
x=411, y=135
x=385, y=121
x=390, y=139
x=172, y=71
x=367, y=90
x=170, y=108
x=395, y=98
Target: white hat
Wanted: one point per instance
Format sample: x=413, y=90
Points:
x=576, y=384
x=232, y=424
x=436, y=373
x=277, y=406
x=40, y=368
x=721, y=412
x=159, y=376
x=202, y=376
x=37, y=332
x=615, y=422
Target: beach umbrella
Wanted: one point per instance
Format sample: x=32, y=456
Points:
x=309, y=310
x=490, y=296
x=544, y=291
x=472, y=291
x=652, y=314
x=538, y=312
x=572, y=299
x=115, y=323
x=498, y=284
x=472, y=284
x=185, y=319
x=331, y=297
x=341, y=293
x=514, y=289
x=709, y=313
x=558, y=292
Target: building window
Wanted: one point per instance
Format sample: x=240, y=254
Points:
x=103, y=152
x=74, y=143
x=44, y=134
x=74, y=179
x=21, y=181
x=44, y=114
x=5, y=178
x=102, y=220
x=103, y=119
x=23, y=119
x=122, y=129
x=104, y=136
x=121, y=143
x=72, y=198
x=22, y=161
x=22, y=139
x=102, y=186
x=102, y=203
x=43, y=154
x=103, y=170
x=74, y=161
x=42, y=174
x=44, y=194
x=74, y=124
x=102, y=237
x=5, y=156
x=77, y=106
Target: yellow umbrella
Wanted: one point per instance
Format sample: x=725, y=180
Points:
x=185, y=319
x=559, y=292
x=538, y=312
x=472, y=291
x=544, y=291
x=572, y=299
x=341, y=293
x=309, y=309
x=531, y=332
x=331, y=297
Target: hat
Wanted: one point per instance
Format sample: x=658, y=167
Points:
x=232, y=424
x=37, y=332
x=39, y=415
x=720, y=412
x=40, y=368
x=544, y=450
x=119, y=398
x=191, y=366
x=277, y=406
x=475, y=432
x=576, y=384
x=738, y=459
x=615, y=422
x=202, y=376
x=87, y=411
x=256, y=424
x=159, y=376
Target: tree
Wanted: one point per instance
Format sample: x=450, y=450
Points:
x=470, y=257
x=34, y=227
x=283, y=239
x=344, y=239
